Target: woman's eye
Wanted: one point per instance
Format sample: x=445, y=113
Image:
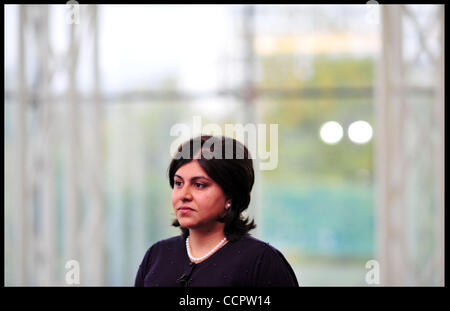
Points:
x=199, y=185
x=178, y=183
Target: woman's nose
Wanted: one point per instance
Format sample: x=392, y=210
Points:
x=186, y=194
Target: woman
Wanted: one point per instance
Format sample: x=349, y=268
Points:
x=212, y=178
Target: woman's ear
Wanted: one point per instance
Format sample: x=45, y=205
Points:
x=228, y=205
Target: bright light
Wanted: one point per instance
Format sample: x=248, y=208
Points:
x=331, y=132
x=360, y=132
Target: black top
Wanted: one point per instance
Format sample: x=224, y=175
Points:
x=245, y=262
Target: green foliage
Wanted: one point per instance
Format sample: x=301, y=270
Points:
x=320, y=219
x=302, y=155
x=342, y=71
x=286, y=72
x=320, y=198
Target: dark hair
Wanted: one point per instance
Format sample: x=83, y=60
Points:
x=229, y=164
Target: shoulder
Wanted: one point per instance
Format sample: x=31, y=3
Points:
x=164, y=246
x=173, y=241
x=270, y=267
x=158, y=254
x=257, y=249
x=256, y=245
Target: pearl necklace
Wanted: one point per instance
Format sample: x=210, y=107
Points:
x=203, y=257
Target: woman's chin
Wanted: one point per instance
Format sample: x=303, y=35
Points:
x=185, y=224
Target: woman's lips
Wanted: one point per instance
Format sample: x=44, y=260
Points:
x=185, y=209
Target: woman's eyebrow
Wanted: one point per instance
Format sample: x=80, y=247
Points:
x=199, y=177
x=193, y=178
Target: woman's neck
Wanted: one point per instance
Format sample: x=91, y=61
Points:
x=202, y=242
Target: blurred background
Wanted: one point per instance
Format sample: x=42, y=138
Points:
x=357, y=91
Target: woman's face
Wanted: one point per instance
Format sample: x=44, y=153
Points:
x=196, y=199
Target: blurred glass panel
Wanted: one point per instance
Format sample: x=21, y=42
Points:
x=184, y=43
x=298, y=66
x=314, y=70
